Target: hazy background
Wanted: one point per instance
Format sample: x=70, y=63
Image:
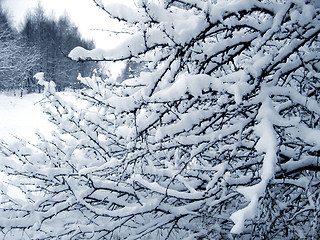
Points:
x=83, y=13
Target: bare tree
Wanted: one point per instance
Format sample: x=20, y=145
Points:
x=217, y=140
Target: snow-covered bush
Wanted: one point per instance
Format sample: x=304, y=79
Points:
x=217, y=140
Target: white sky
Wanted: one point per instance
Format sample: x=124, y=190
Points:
x=83, y=13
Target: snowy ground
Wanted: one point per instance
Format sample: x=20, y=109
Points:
x=21, y=116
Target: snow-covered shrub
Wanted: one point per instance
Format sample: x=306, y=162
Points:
x=217, y=140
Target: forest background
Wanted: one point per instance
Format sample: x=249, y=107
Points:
x=40, y=45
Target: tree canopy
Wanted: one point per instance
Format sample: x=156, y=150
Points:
x=217, y=139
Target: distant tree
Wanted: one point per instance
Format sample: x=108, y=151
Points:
x=217, y=140
x=16, y=58
x=53, y=39
x=132, y=69
x=7, y=48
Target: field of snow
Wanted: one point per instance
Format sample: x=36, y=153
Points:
x=22, y=116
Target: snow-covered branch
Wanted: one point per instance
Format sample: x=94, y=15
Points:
x=216, y=137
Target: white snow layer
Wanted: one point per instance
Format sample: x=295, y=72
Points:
x=21, y=117
x=266, y=145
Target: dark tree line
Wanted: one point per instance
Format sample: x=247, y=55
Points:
x=17, y=59
x=40, y=46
